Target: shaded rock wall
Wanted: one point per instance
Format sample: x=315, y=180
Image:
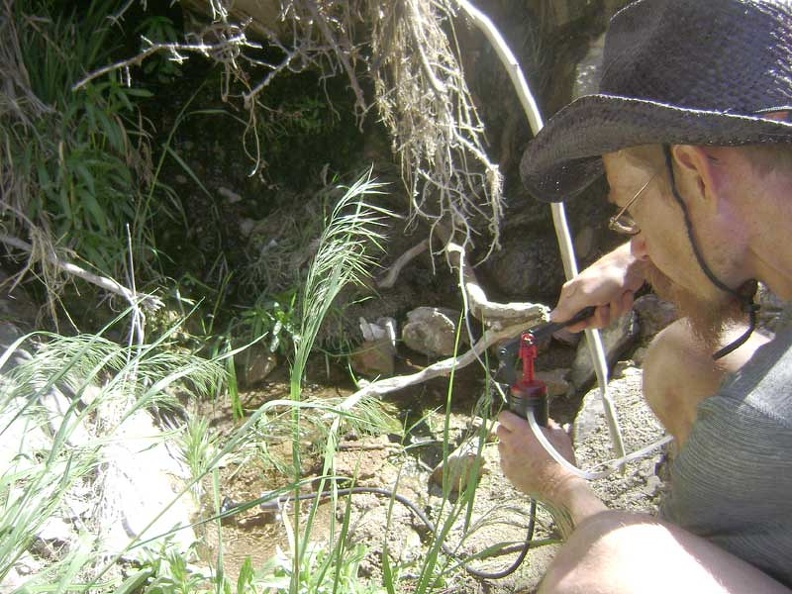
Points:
x=550, y=39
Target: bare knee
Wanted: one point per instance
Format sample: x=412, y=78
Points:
x=679, y=372
x=621, y=552
x=601, y=557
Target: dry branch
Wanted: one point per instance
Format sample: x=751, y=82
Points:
x=174, y=49
x=389, y=280
x=103, y=282
x=439, y=369
x=491, y=312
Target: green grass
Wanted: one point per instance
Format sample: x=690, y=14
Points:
x=103, y=385
x=152, y=376
x=79, y=162
x=86, y=181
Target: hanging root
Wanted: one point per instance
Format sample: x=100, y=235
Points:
x=423, y=98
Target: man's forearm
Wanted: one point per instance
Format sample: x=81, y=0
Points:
x=572, y=503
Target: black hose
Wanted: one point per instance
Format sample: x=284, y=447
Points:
x=230, y=508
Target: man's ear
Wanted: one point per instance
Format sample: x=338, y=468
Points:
x=698, y=166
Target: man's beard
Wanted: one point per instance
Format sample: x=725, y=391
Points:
x=707, y=318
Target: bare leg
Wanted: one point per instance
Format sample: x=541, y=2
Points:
x=617, y=552
x=678, y=373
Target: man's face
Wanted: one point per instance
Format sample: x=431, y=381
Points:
x=664, y=246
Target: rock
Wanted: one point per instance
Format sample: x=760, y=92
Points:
x=231, y=196
x=383, y=328
x=56, y=530
x=637, y=487
x=254, y=365
x=431, y=331
x=9, y=334
x=134, y=491
x=24, y=567
x=372, y=359
x=23, y=438
x=462, y=466
x=58, y=407
x=588, y=75
x=140, y=480
x=246, y=226
x=376, y=355
x=528, y=266
x=555, y=380
x=654, y=314
x=616, y=338
x=17, y=316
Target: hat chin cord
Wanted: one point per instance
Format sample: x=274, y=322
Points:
x=744, y=294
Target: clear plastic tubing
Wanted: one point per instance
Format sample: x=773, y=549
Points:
x=610, y=465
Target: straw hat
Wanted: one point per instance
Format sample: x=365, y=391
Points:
x=702, y=72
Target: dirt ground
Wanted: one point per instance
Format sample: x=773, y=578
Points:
x=498, y=514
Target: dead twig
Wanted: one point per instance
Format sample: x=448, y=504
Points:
x=389, y=280
x=491, y=312
x=205, y=49
x=103, y=282
x=439, y=369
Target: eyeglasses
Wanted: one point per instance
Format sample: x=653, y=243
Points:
x=623, y=222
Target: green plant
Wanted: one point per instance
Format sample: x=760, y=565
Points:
x=159, y=29
x=170, y=575
x=80, y=160
x=197, y=444
x=271, y=319
x=344, y=256
x=104, y=381
x=322, y=571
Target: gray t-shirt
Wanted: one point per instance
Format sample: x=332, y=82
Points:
x=732, y=481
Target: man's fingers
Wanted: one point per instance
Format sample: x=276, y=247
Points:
x=601, y=317
x=511, y=422
x=569, y=302
x=627, y=302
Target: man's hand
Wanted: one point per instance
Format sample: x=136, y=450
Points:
x=532, y=470
x=609, y=284
x=524, y=460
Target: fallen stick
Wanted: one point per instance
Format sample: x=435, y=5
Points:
x=389, y=281
x=484, y=310
x=100, y=281
x=438, y=369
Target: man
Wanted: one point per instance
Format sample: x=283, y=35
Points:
x=691, y=127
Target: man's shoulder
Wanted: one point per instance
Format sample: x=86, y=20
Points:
x=763, y=387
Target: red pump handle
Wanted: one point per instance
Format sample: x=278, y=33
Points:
x=527, y=354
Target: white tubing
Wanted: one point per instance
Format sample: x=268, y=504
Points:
x=610, y=465
x=593, y=336
x=540, y=436
x=531, y=109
